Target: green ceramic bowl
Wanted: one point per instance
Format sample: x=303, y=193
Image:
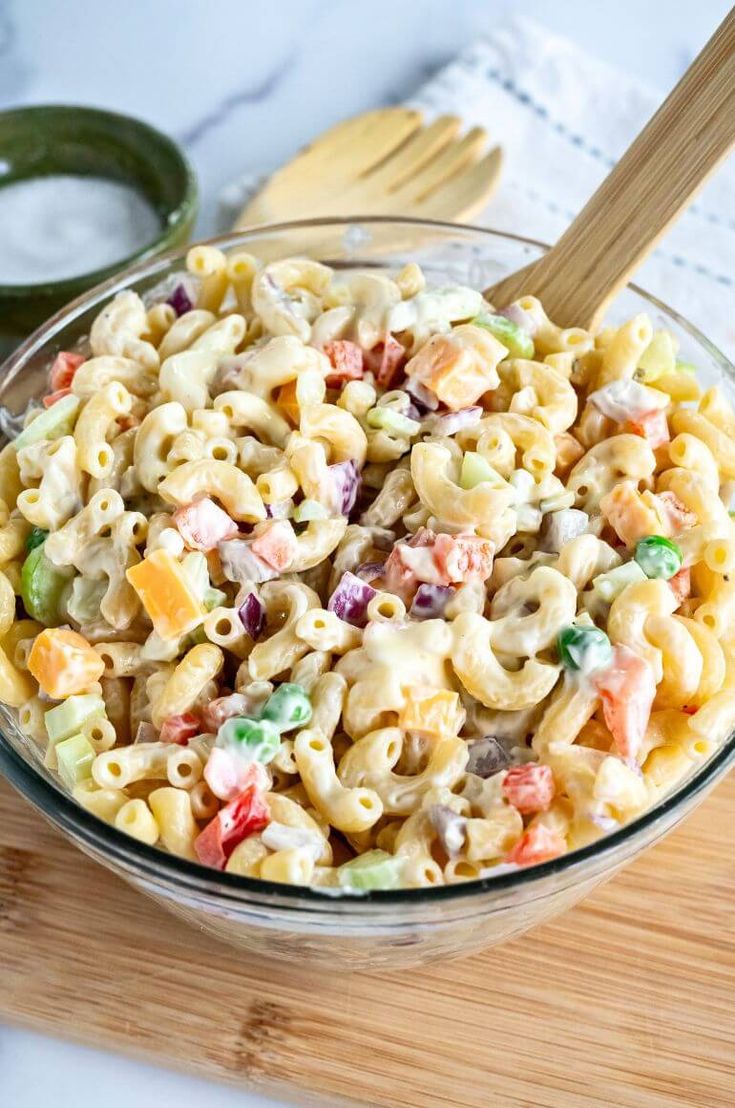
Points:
x=53, y=139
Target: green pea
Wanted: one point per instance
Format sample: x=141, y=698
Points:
x=583, y=648
x=374, y=870
x=658, y=557
x=287, y=707
x=41, y=586
x=518, y=342
x=257, y=740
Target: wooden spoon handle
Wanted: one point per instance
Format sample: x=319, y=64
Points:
x=652, y=183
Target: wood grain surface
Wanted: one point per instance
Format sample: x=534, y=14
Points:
x=626, y=1001
x=654, y=181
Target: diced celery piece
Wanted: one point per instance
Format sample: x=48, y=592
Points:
x=609, y=586
x=41, y=586
x=196, y=571
x=52, y=423
x=658, y=358
x=374, y=870
x=475, y=470
x=517, y=342
x=562, y=499
x=67, y=718
x=75, y=756
x=213, y=598
x=309, y=509
x=386, y=419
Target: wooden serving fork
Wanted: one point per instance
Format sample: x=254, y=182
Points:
x=654, y=181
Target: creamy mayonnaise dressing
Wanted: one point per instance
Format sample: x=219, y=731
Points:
x=56, y=227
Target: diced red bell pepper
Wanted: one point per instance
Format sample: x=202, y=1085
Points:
x=347, y=360
x=62, y=371
x=386, y=362
x=537, y=844
x=652, y=426
x=276, y=544
x=681, y=584
x=179, y=729
x=245, y=815
x=529, y=788
x=627, y=687
x=50, y=399
x=460, y=557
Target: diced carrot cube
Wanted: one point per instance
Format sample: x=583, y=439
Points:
x=627, y=513
x=438, y=713
x=165, y=594
x=537, y=844
x=681, y=584
x=203, y=524
x=347, y=360
x=568, y=453
x=62, y=371
x=627, y=687
x=286, y=400
x=529, y=788
x=458, y=368
x=652, y=426
x=64, y=663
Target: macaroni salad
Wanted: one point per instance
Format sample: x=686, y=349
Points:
x=336, y=579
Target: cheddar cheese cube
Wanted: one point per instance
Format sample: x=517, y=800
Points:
x=64, y=663
x=166, y=595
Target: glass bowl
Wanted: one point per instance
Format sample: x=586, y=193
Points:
x=380, y=929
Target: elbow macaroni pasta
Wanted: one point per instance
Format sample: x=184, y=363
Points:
x=339, y=579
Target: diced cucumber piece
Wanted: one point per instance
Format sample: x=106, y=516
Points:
x=374, y=870
x=386, y=419
x=609, y=586
x=658, y=358
x=74, y=757
x=213, y=598
x=309, y=509
x=52, y=423
x=475, y=470
x=67, y=718
x=517, y=342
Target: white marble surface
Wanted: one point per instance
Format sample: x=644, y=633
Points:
x=243, y=84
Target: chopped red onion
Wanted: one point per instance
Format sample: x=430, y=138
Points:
x=430, y=601
x=252, y=615
x=518, y=315
x=347, y=482
x=424, y=399
x=453, y=422
x=241, y=565
x=350, y=599
x=369, y=571
x=487, y=757
x=146, y=733
x=180, y=300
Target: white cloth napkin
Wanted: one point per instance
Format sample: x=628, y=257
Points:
x=563, y=119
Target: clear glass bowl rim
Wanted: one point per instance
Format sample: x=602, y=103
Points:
x=147, y=862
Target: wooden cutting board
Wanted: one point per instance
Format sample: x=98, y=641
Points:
x=626, y=1001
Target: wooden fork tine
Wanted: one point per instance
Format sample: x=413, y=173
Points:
x=410, y=158
x=455, y=157
x=354, y=145
x=467, y=193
